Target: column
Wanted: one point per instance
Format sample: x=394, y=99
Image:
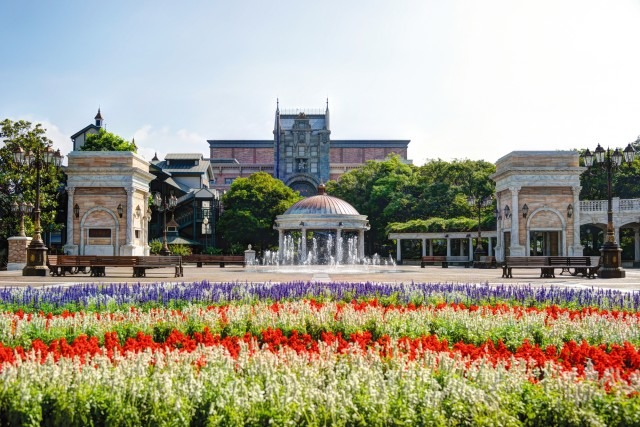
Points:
x=303, y=246
x=398, y=252
x=145, y=224
x=576, y=244
x=430, y=247
x=360, y=245
x=129, y=212
x=636, y=242
x=280, y=244
x=461, y=250
x=516, y=247
x=490, y=244
x=424, y=247
x=448, y=246
x=616, y=233
x=470, y=244
x=70, y=215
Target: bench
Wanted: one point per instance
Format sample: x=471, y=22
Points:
x=512, y=262
x=580, y=264
x=432, y=260
x=445, y=261
x=221, y=260
x=155, y=261
x=486, y=262
x=591, y=271
x=99, y=264
x=60, y=265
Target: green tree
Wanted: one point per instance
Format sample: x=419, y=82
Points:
x=250, y=209
x=20, y=180
x=107, y=141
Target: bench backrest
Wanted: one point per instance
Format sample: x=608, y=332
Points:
x=533, y=261
x=114, y=261
x=159, y=260
x=457, y=258
x=577, y=261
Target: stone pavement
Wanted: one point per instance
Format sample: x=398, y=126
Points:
x=399, y=274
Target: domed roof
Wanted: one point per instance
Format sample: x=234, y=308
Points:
x=322, y=204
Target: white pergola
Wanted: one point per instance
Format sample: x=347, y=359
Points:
x=428, y=238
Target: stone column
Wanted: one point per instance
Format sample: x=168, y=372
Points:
x=424, y=247
x=398, y=252
x=448, y=246
x=303, y=245
x=516, y=248
x=576, y=245
x=636, y=244
x=470, y=244
x=280, y=244
x=145, y=225
x=70, y=247
x=461, y=250
x=129, y=213
x=360, y=245
x=490, y=244
x=430, y=247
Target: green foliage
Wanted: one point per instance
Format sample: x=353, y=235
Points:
x=180, y=250
x=212, y=251
x=21, y=180
x=393, y=192
x=625, y=180
x=250, y=209
x=155, y=246
x=107, y=141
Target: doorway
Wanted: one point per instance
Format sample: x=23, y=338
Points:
x=545, y=243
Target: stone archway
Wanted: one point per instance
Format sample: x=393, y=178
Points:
x=546, y=233
x=99, y=232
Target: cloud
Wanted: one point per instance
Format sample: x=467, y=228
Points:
x=160, y=141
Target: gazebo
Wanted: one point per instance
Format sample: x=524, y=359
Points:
x=329, y=222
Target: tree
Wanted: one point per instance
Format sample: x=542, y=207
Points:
x=19, y=181
x=250, y=209
x=107, y=141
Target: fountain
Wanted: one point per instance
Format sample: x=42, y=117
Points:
x=321, y=234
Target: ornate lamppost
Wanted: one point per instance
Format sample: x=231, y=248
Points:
x=43, y=158
x=163, y=205
x=23, y=208
x=610, y=161
x=479, y=203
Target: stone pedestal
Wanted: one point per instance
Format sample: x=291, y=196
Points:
x=249, y=256
x=17, y=252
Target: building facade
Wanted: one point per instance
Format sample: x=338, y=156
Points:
x=301, y=153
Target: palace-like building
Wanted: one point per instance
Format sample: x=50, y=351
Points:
x=301, y=153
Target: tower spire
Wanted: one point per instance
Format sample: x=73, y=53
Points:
x=98, y=118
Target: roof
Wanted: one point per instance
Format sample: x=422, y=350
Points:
x=322, y=204
x=84, y=130
x=183, y=156
x=177, y=168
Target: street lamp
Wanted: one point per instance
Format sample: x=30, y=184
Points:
x=479, y=203
x=21, y=209
x=43, y=158
x=163, y=205
x=611, y=252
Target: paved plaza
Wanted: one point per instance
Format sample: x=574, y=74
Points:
x=399, y=274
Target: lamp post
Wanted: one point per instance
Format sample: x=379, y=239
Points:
x=164, y=204
x=479, y=203
x=41, y=159
x=610, y=161
x=21, y=209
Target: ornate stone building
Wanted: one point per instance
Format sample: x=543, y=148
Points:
x=301, y=153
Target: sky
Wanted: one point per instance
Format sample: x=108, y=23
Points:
x=461, y=79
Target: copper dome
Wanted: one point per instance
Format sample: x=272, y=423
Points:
x=322, y=205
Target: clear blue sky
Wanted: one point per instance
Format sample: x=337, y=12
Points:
x=461, y=79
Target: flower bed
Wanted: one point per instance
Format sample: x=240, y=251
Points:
x=318, y=354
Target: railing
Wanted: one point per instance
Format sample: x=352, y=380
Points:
x=617, y=205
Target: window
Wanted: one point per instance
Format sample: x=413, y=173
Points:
x=228, y=180
x=301, y=150
x=289, y=151
x=289, y=167
x=137, y=234
x=314, y=167
x=314, y=151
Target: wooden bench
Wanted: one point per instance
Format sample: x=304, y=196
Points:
x=221, y=260
x=540, y=262
x=486, y=262
x=154, y=261
x=60, y=265
x=100, y=263
x=578, y=263
x=445, y=261
x=591, y=271
x=434, y=259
